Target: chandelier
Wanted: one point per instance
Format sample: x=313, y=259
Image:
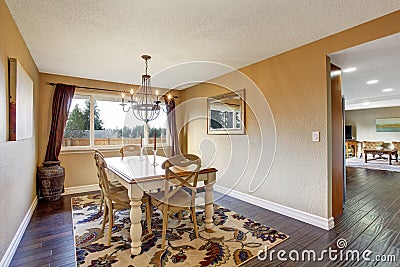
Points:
x=144, y=104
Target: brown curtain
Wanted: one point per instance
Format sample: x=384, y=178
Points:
x=62, y=99
x=171, y=117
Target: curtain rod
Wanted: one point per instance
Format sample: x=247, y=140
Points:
x=98, y=89
x=92, y=88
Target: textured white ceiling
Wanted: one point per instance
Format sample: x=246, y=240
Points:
x=104, y=39
x=376, y=60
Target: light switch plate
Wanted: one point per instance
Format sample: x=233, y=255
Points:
x=315, y=136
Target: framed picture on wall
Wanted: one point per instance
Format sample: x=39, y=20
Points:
x=388, y=125
x=226, y=113
x=20, y=102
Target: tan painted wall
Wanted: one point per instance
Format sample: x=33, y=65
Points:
x=17, y=159
x=295, y=86
x=80, y=168
x=79, y=165
x=364, y=124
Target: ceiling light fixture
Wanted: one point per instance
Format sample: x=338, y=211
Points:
x=372, y=81
x=386, y=90
x=351, y=69
x=365, y=103
x=144, y=104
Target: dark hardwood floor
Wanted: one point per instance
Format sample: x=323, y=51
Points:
x=371, y=220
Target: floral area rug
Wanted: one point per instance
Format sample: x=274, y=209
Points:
x=233, y=240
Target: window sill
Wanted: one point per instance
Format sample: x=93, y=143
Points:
x=88, y=149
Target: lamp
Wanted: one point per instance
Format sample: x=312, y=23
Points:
x=143, y=103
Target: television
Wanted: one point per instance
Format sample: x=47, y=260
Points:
x=348, y=132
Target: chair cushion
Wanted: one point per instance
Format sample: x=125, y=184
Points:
x=180, y=199
x=121, y=196
x=116, y=185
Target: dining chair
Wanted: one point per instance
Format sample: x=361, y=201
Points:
x=180, y=188
x=115, y=200
x=115, y=187
x=132, y=149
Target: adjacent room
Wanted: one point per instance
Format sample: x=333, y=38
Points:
x=370, y=90
x=211, y=133
x=370, y=106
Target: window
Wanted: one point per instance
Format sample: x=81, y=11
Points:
x=77, y=129
x=97, y=120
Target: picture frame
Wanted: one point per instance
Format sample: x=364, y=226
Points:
x=226, y=114
x=388, y=125
x=20, y=102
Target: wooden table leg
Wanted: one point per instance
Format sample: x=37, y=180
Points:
x=209, y=207
x=365, y=156
x=396, y=156
x=135, y=194
x=390, y=158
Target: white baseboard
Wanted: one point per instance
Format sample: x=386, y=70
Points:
x=6, y=260
x=309, y=218
x=80, y=189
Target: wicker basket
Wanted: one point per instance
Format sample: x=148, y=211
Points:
x=51, y=178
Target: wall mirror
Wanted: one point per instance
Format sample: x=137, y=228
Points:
x=226, y=113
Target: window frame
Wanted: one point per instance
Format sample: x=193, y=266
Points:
x=92, y=95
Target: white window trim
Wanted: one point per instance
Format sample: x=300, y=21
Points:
x=91, y=147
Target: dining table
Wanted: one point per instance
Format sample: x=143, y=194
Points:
x=139, y=174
